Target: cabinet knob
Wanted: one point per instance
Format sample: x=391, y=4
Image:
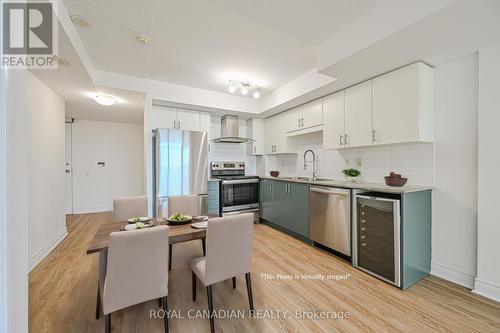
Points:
x=363, y=244
x=363, y=237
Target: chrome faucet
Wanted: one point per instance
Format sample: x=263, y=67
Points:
x=313, y=162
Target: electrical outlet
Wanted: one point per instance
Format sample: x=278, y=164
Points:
x=359, y=162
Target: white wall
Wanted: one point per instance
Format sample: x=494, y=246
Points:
x=16, y=202
x=121, y=147
x=488, y=264
x=47, y=183
x=454, y=236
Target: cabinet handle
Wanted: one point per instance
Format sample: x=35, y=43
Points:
x=340, y=139
x=173, y=121
x=303, y=122
x=298, y=122
x=374, y=138
x=178, y=124
x=346, y=139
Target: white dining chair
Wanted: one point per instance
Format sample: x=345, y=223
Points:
x=228, y=254
x=129, y=207
x=136, y=270
x=185, y=205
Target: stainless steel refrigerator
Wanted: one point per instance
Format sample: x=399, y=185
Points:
x=180, y=166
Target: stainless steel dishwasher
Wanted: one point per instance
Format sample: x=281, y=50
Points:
x=330, y=218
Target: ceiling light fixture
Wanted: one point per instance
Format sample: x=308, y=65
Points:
x=106, y=100
x=79, y=21
x=143, y=39
x=245, y=87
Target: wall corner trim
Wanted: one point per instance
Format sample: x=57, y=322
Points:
x=47, y=248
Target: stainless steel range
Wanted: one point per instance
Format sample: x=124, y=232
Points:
x=238, y=193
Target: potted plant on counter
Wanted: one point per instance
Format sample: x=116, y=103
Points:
x=351, y=174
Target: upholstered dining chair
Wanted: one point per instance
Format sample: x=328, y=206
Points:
x=229, y=254
x=136, y=270
x=185, y=205
x=129, y=207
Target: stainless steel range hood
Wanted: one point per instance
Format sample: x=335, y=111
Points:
x=230, y=131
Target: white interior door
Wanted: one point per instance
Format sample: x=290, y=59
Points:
x=68, y=169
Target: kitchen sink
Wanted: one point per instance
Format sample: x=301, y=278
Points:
x=308, y=179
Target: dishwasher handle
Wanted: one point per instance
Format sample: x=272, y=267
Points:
x=329, y=191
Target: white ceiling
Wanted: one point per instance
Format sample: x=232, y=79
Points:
x=73, y=84
x=205, y=43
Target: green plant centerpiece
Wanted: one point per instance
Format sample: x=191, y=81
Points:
x=351, y=174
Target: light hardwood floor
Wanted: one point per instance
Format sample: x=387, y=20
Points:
x=62, y=291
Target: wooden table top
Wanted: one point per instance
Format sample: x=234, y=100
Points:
x=177, y=234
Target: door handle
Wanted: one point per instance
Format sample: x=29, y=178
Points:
x=340, y=139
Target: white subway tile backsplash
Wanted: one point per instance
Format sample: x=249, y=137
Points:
x=414, y=161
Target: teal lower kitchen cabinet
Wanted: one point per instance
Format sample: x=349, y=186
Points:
x=266, y=199
x=299, y=208
x=285, y=205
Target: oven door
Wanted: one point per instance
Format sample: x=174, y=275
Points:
x=239, y=194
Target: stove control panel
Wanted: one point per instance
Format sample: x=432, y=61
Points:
x=227, y=166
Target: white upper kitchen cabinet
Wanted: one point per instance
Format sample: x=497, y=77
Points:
x=275, y=140
x=358, y=115
x=255, y=131
x=312, y=114
x=333, y=121
x=292, y=119
x=163, y=117
x=403, y=105
x=269, y=135
x=304, y=117
x=188, y=120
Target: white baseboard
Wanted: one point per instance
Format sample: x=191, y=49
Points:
x=47, y=248
x=95, y=209
x=487, y=289
x=452, y=275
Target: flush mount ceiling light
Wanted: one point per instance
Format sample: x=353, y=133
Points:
x=244, y=87
x=79, y=21
x=106, y=100
x=143, y=39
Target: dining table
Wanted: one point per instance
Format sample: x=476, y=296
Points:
x=176, y=234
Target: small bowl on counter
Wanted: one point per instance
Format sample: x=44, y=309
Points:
x=274, y=173
x=395, y=179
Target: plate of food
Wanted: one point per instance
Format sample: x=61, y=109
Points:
x=179, y=218
x=199, y=225
x=142, y=219
x=135, y=226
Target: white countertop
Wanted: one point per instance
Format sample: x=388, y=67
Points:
x=380, y=187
